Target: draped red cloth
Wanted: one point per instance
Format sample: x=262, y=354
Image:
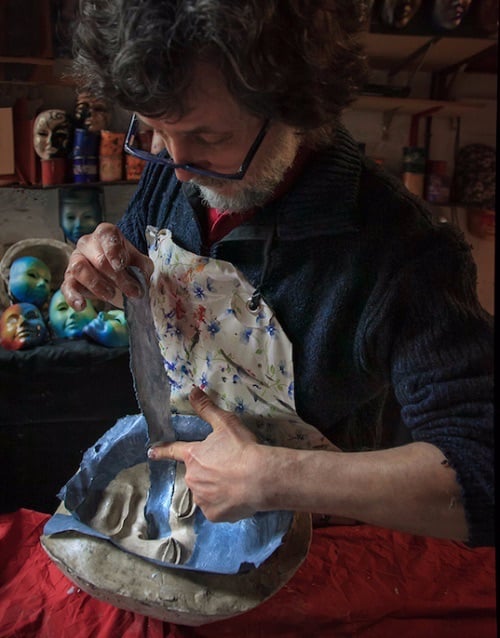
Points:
x=357, y=580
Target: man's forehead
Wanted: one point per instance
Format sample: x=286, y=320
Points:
x=207, y=104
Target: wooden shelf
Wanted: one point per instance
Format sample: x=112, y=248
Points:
x=387, y=51
x=30, y=187
x=33, y=71
x=413, y=106
x=7, y=59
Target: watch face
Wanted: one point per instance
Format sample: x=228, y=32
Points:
x=448, y=14
x=398, y=13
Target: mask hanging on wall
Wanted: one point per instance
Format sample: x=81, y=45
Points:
x=81, y=210
x=448, y=14
x=398, y=13
x=21, y=327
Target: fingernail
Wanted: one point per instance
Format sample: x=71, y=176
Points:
x=152, y=453
x=196, y=392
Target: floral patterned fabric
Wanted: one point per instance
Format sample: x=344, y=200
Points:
x=210, y=337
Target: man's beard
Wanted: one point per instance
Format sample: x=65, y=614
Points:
x=253, y=190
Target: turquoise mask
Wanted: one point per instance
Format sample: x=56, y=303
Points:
x=109, y=328
x=67, y=322
x=29, y=280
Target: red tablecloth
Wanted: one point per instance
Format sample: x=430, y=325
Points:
x=356, y=581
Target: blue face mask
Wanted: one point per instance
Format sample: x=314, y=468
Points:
x=66, y=322
x=29, y=280
x=108, y=329
x=224, y=548
x=78, y=220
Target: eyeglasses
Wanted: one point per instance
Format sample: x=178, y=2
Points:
x=192, y=168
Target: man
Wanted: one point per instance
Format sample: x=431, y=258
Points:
x=367, y=298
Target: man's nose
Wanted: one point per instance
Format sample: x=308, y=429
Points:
x=179, y=150
x=182, y=152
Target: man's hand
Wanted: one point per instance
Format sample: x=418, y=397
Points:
x=221, y=471
x=97, y=268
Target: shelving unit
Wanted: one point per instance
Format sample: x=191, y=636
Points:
x=414, y=106
x=391, y=51
x=394, y=53
x=443, y=56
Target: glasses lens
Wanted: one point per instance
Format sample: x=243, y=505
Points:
x=147, y=144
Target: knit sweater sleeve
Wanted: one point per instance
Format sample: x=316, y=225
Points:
x=436, y=343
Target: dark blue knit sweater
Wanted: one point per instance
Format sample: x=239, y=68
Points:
x=378, y=301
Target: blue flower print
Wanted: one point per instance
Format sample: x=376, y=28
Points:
x=240, y=406
x=175, y=385
x=259, y=317
x=236, y=378
x=173, y=330
x=290, y=390
x=213, y=327
x=203, y=380
x=210, y=285
x=171, y=365
x=245, y=335
x=271, y=330
x=199, y=293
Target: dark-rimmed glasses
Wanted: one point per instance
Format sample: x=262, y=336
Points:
x=192, y=168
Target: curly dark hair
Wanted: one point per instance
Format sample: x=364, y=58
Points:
x=296, y=61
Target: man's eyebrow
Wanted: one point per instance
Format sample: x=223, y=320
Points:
x=197, y=130
x=200, y=130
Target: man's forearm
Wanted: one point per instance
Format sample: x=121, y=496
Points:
x=410, y=488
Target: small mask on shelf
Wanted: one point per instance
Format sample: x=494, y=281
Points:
x=52, y=134
x=92, y=113
x=398, y=13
